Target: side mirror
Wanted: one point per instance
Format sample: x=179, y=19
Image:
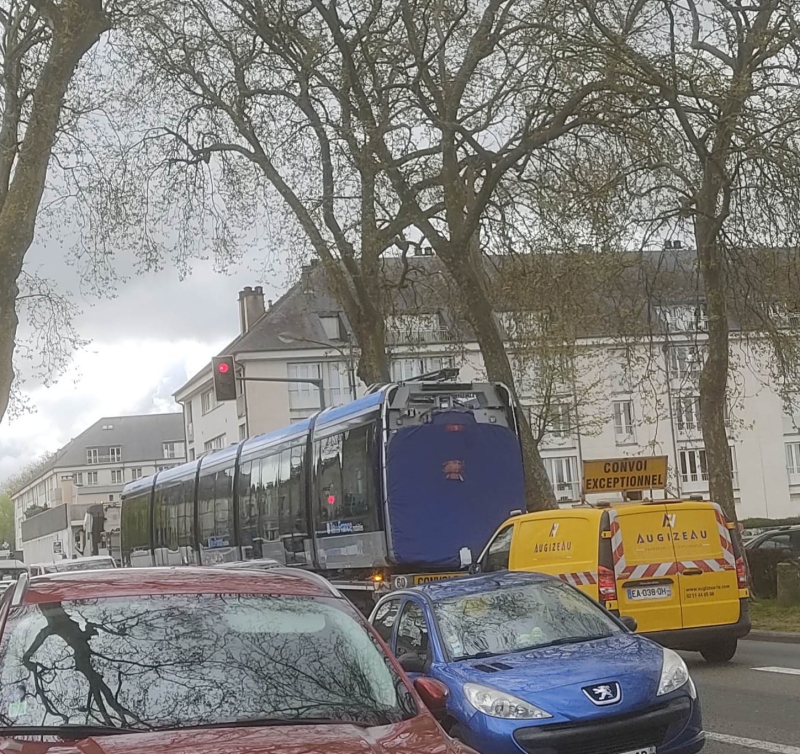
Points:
x=412, y=663
x=629, y=622
x=434, y=694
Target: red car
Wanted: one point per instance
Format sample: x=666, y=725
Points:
x=206, y=661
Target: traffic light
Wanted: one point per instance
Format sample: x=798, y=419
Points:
x=224, y=378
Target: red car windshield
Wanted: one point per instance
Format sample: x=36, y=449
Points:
x=172, y=661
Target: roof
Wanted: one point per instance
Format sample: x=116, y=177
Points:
x=139, y=436
x=483, y=582
x=595, y=294
x=126, y=582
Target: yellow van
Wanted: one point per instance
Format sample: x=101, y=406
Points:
x=669, y=565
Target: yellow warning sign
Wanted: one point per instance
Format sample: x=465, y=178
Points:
x=625, y=474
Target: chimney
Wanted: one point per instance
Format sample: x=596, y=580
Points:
x=251, y=307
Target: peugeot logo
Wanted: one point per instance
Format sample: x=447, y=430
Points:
x=604, y=693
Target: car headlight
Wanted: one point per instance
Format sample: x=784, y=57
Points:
x=499, y=704
x=674, y=674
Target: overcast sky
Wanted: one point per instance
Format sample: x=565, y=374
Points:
x=145, y=343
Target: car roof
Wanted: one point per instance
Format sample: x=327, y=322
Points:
x=484, y=582
x=122, y=582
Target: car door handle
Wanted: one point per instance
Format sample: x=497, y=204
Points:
x=691, y=572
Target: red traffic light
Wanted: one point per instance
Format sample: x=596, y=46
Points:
x=224, y=378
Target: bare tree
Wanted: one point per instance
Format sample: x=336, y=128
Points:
x=471, y=93
x=719, y=149
x=42, y=44
x=257, y=93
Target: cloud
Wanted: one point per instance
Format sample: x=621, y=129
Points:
x=129, y=376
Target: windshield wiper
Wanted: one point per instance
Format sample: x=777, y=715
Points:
x=257, y=722
x=65, y=731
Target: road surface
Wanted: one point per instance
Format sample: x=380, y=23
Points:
x=747, y=710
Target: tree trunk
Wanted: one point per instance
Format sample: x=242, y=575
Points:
x=373, y=364
x=77, y=26
x=714, y=377
x=480, y=315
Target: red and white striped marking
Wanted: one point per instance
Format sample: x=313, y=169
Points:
x=581, y=578
x=725, y=537
x=617, y=549
x=649, y=571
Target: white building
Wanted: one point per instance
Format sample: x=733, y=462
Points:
x=637, y=398
x=90, y=471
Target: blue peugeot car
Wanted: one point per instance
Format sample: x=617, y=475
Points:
x=535, y=666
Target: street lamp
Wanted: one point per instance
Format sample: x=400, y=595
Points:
x=286, y=337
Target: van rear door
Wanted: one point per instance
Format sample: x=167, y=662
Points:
x=708, y=584
x=560, y=545
x=647, y=581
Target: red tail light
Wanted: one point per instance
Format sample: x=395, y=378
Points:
x=607, y=584
x=741, y=573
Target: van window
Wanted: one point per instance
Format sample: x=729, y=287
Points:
x=496, y=558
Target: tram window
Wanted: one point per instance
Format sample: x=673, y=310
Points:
x=159, y=519
x=329, y=478
x=346, y=481
x=186, y=514
x=269, y=511
x=291, y=500
x=215, y=500
x=136, y=530
x=346, y=500
x=248, y=518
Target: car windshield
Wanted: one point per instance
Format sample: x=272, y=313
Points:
x=518, y=618
x=188, y=660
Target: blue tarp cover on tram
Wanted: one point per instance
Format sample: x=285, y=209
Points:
x=450, y=483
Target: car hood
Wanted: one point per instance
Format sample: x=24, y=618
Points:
x=417, y=736
x=553, y=678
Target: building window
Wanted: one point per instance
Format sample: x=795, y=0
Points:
x=555, y=420
x=623, y=421
x=687, y=413
x=416, y=328
x=115, y=454
x=92, y=455
x=694, y=469
x=242, y=431
x=793, y=457
x=169, y=450
x=563, y=475
x=332, y=326
x=116, y=476
x=77, y=478
x=91, y=478
x=335, y=380
x=685, y=361
x=187, y=408
x=191, y=454
x=680, y=319
x=217, y=443
x=136, y=474
x=693, y=466
x=208, y=401
x=406, y=369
